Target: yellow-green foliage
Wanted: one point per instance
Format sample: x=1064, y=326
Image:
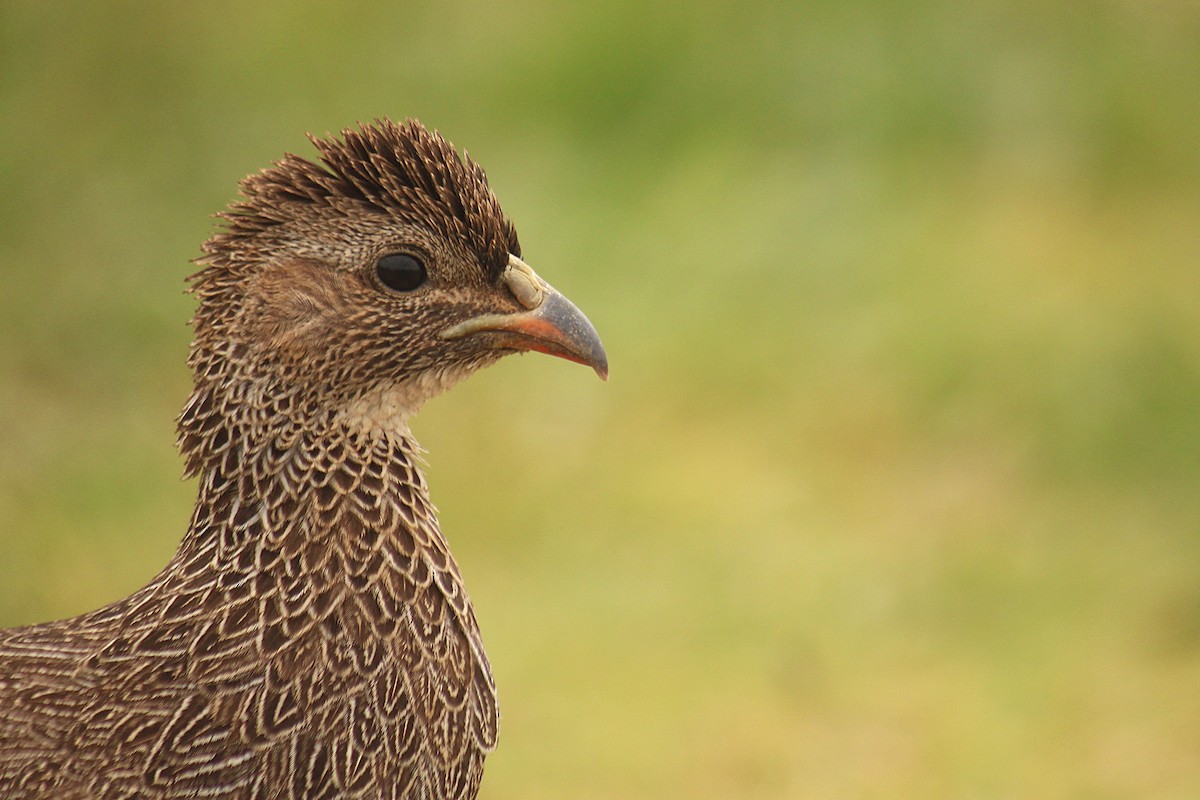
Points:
x=893, y=492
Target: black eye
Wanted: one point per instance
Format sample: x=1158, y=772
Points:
x=400, y=271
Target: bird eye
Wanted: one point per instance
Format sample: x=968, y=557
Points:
x=400, y=271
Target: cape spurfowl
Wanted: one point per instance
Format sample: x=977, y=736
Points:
x=311, y=638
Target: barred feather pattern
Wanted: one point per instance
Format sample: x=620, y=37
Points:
x=311, y=637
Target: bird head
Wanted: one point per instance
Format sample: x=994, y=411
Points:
x=370, y=280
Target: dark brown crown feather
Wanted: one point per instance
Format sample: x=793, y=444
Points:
x=402, y=169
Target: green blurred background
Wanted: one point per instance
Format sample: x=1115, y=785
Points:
x=893, y=492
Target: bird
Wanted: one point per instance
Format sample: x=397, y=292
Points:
x=311, y=637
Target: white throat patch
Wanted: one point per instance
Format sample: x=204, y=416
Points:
x=387, y=409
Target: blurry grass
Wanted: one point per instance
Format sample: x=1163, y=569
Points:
x=892, y=492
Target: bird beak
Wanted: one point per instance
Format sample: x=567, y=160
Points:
x=550, y=324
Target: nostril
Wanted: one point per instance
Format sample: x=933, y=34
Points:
x=524, y=284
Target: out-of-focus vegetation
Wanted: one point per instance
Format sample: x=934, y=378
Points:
x=894, y=489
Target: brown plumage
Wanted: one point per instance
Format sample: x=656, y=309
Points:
x=311, y=638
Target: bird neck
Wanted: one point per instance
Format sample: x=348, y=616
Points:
x=316, y=487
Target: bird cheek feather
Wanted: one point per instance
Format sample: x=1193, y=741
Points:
x=293, y=303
